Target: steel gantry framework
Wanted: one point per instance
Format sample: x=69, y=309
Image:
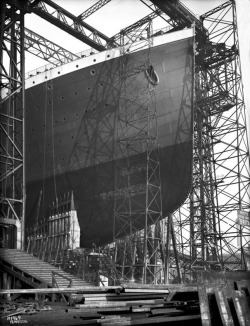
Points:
x=206, y=231
x=45, y=49
x=138, y=202
x=211, y=229
x=15, y=39
x=71, y=24
x=210, y=232
x=12, y=202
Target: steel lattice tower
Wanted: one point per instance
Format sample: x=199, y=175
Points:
x=12, y=203
x=210, y=234
x=138, y=189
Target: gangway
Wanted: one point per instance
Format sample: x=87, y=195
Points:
x=18, y=264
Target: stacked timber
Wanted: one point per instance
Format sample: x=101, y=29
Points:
x=220, y=298
x=141, y=305
x=123, y=305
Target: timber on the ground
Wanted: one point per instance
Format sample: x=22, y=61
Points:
x=216, y=300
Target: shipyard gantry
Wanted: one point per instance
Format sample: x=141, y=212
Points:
x=210, y=229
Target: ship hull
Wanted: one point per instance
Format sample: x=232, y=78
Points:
x=72, y=134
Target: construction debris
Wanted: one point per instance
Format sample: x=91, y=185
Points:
x=217, y=299
x=112, y=305
x=14, y=313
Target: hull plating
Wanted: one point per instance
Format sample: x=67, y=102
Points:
x=71, y=137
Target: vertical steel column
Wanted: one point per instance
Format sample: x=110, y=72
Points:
x=22, y=59
x=12, y=202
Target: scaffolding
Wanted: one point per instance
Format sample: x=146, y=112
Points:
x=12, y=203
x=209, y=229
x=138, y=211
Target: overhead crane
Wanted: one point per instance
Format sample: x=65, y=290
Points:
x=51, y=52
x=77, y=28
x=98, y=5
x=179, y=17
x=71, y=24
x=47, y=50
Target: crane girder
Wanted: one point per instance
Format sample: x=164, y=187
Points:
x=180, y=16
x=172, y=22
x=93, y=9
x=43, y=48
x=47, y=50
x=216, y=9
x=178, y=12
x=135, y=26
x=71, y=24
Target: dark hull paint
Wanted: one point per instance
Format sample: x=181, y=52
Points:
x=71, y=138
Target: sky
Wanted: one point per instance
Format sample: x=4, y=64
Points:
x=118, y=14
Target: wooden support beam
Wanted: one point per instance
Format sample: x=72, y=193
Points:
x=19, y=276
x=204, y=306
x=120, y=297
x=158, y=320
x=155, y=287
x=241, y=304
x=153, y=291
x=105, y=309
x=128, y=303
x=224, y=308
x=6, y=284
x=79, y=290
